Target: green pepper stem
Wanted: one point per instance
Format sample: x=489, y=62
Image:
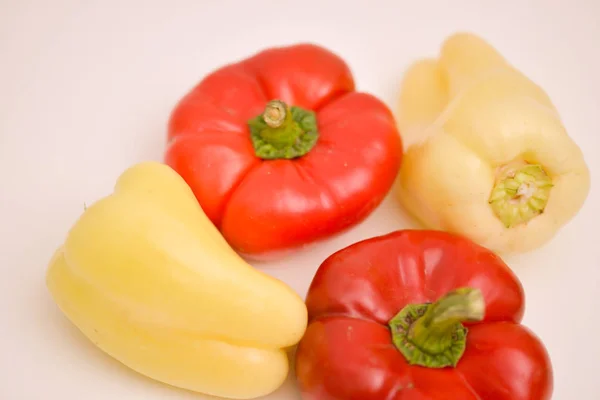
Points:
x=433, y=335
x=521, y=193
x=283, y=132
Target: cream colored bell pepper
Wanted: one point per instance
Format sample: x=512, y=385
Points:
x=486, y=153
x=148, y=279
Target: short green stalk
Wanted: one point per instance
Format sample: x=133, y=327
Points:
x=283, y=132
x=433, y=335
x=521, y=192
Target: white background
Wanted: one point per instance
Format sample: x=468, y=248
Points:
x=86, y=88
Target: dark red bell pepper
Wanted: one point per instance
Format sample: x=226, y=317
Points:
x=419, y=315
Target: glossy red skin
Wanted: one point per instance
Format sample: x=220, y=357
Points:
x=347, y=352
x=263, y=207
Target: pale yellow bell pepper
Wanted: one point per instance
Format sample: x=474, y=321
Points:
x=148, y=279
x=486, y=154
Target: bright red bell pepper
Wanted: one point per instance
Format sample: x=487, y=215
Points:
x=419, y=315
x=281, y=151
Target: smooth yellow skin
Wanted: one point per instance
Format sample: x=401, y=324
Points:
x=463, y=116
x=148, y=279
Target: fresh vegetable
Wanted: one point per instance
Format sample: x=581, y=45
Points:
x=419, y=315
x=149, y=280
x=487, y=155
x=281, y=151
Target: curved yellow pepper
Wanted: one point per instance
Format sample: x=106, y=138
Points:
x=487, y=155
x=149, y=280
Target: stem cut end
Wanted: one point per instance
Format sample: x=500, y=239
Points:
x=433, y=335
x=275, y=113
x=521, y=193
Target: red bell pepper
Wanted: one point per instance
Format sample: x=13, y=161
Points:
x=281, y=151
x=419, y=315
